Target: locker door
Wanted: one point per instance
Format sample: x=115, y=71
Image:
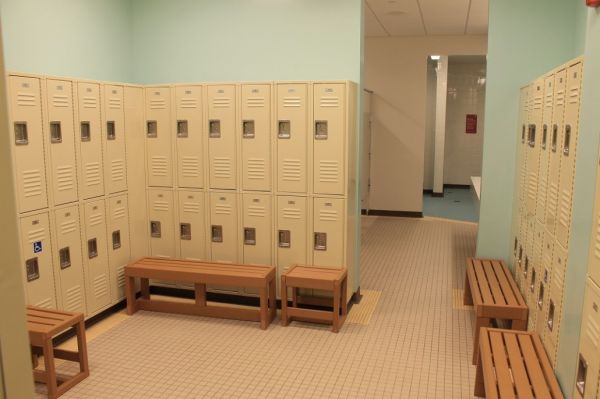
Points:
x=257, y=229
x=292, y=132
x=62, y=141
x=328, y=232
x=223, y=227
x=89, y=138
x=555, y=300
x=119, y=253
x=588, y=361
x=256, y=137
x=329, y=136
x=568, y=154
x=556, y=139
x=540, y=212
x=36, y=254
x=559, y=266
x=28, y=149
x=192, y=231
x=188, y=127
x=534, y=143
x=292, y=213
x=162, y=234
x=96, y=257
x=594, y=254
x=114, y=139
x=522, y=166
x=158, y=136
x=69, y=259
x=221, y=136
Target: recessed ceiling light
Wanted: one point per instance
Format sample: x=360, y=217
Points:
x=434, y=57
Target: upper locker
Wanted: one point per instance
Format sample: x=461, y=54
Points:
x=536, y=96
x=329, y=137
x=522, y=147
x=292, y=131
x=328, y=234
x=62, y=141
x=158, y=137
x=540, y=212
x=560, y=84
x=28, y=148
x=95, y=255
x=192, y=232
x=256, y=137
x=190, y=155
x=569, y=153
x=119, y=253
x=113, y=122
x=257, y=229
x=221, y=136
x=90, y=140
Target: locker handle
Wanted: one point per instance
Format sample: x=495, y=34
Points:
x=540, y=301
x=214, y=128
x=32, y=269
x=155, y=230
x=284, y=131
x=515, y=246
x=550, y=321
x=64, y=256
x=85, y=132
x=55, y=132
x=320, y=241
x=523, y=134
x=111, y=131
x=321, y=131
x=581, y=375
x=248, y=129
x=185, y=231
x=526, y=269
x=116, y=239
x=151, y=129
x=92, y=248
x=554, y=137
x=182, y=129
x=21, y=134
x=567, y=140
x=532, y=285
x=544, y=137
x=249, y=236
x=532, y=131
x=216, y=233
x=284, y=238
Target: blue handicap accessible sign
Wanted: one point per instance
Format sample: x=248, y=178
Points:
x=37, y=247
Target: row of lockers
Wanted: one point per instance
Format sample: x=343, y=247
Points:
x=69, y=141
x=73, y=256
x=271, y=137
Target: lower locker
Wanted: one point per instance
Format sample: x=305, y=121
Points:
x=545, y=281
x=95, y=256
x=161, y=226
x=224, y=231
x=119, y=252
x=588, y=361
x=553, y=313
x=69, y=260
x=36, y=254
x=292, y=216
x=257, y=231
x=192, y=229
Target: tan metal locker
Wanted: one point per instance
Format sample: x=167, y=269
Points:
x=556, y=139
x=568, y=153
x=62, y=141
x=28, y=149
x=36, y=253
x=292, y=214
x=192, y=228
x=594, y=254
x=113, y=127
x=96, y=257
x=536, y=96
x=559, y=267
x=256, y=137
x=329, y=137
x=223, y=227
x=68, y=258
x=221, y=136
x=522, y=155
x=553, y=314
x=119, y=249
x=158, y=137
x=161, y=230
x=545, y=147
x=328, y=232
x=89, y=138
x=292, y=132
x=188, y=127
x=588, y=361
x=257, y=229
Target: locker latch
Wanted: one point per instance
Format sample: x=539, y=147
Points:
x=248, y=129
x=182, y=129
x=151, y=129
x=515, y=247
x=532, y=285
x=21, y=135
x=321, y=241
x=544, y=136
x=111, y=133
x=526, y=268
x=523, y=135
x=55, y=132
x=249, y=236
x=284, y=131
x=546, y=275
x=185, y=231
x=550, y=321
x=540, y=301
x=284, y=238
x=116, y=239
x=84, y=129
x=32, y=268
x=155, y=229
x=567, y=140
x=581, y=375
x=554, y=137
x=532, y=131
x=214, y=128
x=321, y=130
x=64, y=255
x=92, y=248
x=216, y=233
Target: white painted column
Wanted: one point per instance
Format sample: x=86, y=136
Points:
x=440, y=124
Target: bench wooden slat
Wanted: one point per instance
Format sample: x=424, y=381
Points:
x=503, y=278
x=520, y=377
x=486, y=294
x=504, y=380
x=223, y=268
x=472, y=277
x=494, y=284
x=534, y=369
x=546, y=367
x=487, y=362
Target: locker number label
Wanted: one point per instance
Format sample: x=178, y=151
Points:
x=37, y=247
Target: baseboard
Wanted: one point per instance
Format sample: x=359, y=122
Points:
x=401, y=214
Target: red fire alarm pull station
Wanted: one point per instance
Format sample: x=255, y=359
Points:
x=593, y=3
x=471, y=124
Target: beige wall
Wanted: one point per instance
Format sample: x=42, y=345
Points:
x=396, y=70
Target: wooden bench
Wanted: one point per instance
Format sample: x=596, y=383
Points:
x=491, y=288
x=334, y=280
x=42, y=325
x=513, y=364
x=200, y=274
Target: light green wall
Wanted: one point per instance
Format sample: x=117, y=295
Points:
x=76, y=38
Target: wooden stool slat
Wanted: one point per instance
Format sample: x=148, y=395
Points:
x=483, y=285
x=503, y=279
x=493, y=283
x=521, y=379
x=534, y=369
x=503, y=375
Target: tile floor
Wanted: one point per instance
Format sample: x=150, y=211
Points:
x=456, y=204
x=417, y=343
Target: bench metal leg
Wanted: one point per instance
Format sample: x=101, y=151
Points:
x=272, y=299
x=130, y=295
x=145, y=288
x=284, y=303
x=480, y=322
x=336, y=306
x=345, y=296
x=520, y=325
x=82, y=348
x=264, y=308
x=200, y=294
x=50, y=371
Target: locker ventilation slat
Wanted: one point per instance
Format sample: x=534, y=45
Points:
x=558, y=279
x=329, y=102
x=188, y=103
x=65, y=178
x=158, y=103
x=190, y=166
x=565, y=209
x=162, y=206
x=191, y=207
x=329, y=171
x=96, y=219
x=160, y=166
x=560, y=98
x=258, y=211
x=292, y=102
x=90, y=102
x=114, y=103
x=100, y=286
x=255, y=168
x=221, y=102
x=593, y=331
x=223, y=209
x=291, y=170
x=60, y=101
x=328, y=215
x=574, y=95
x=291, y=213
x=92, y=174
x=121, y=276
x=46, y=303
x=119, y=213
x=68, y=226
x=36, y=235
x=26, y=99
x=32, y=183
x=73, y=299
x=597, y=238
x=117, y=170
x=255, y=102
x=222, y=167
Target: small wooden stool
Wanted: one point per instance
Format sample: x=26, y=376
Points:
x=334, y=280
x=42, y=325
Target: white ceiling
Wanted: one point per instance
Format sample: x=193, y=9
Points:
x=425, y=17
